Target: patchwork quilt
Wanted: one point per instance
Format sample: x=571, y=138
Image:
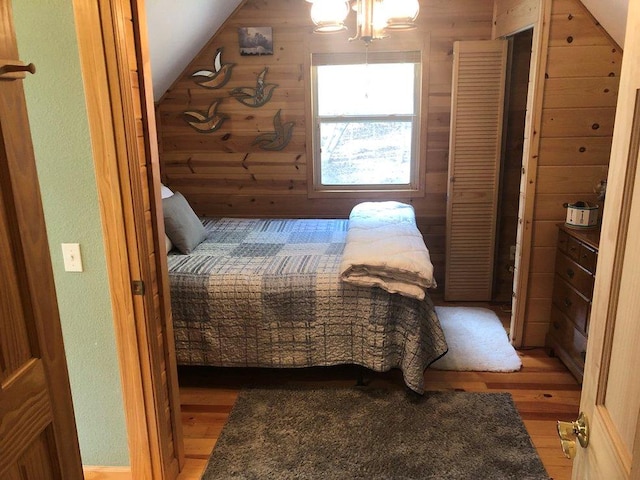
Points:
x=268, y=293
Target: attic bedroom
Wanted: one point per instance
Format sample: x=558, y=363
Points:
x=224, y=171
x=259, y=149
x=228, y=173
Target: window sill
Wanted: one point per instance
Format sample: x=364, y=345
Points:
x=373, y=194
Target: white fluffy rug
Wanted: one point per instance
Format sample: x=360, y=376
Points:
x=477, y=341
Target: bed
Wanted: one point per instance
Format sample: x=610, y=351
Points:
x=271, y=293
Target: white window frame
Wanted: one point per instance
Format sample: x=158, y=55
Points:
x=414, y=187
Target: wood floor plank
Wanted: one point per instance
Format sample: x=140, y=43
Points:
x=543, y=392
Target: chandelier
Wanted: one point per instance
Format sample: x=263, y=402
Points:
x=374, y=18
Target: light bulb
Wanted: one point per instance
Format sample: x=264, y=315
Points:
x=401, y=14
x=329, y=15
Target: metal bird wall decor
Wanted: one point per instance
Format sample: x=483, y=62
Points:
x=279, y=138
x=216, y=78
x=255, y=96
x=207, y=122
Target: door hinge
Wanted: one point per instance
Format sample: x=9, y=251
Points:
x=138, y=287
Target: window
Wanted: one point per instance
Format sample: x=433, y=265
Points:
x=366, y=119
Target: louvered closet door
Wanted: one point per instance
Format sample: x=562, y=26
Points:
x=477, y=106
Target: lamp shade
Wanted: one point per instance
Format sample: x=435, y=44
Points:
x=329, y=15
x=401, y=14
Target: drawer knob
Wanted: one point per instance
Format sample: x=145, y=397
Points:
x=556, y=325
x=567, y=302
x=570, y=273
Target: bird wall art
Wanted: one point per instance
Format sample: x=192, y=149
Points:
x=206, y=122
x=255, y=96
x=216, y=78
x=279, y=138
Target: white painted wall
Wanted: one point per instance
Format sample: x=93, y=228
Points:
x=612, y=15
x=178, y=30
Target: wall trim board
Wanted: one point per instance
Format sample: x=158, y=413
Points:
x=106, y=473
x=513, y=16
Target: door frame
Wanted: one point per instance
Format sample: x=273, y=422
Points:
x=510, y=18
x=105, y=67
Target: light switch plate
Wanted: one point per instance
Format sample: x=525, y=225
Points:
x=72, y=257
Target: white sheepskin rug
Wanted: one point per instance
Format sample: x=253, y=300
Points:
x=477, y=341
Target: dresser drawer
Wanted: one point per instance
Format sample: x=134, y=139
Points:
x=576, y=258
x=573, y=249
x=587, y=258
x=575, y=275
x=571, y=303
x=569, y=338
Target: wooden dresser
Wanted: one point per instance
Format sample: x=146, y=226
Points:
x=576, y=258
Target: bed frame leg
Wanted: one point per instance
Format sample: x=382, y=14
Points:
x=360, y=382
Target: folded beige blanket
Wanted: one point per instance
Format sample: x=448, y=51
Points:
x=385, y=249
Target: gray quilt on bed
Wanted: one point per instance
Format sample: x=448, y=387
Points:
x=267, y=293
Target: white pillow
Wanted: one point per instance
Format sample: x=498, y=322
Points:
x=167, y=243
x=165, y=191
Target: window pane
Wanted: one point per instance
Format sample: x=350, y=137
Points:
x=365, y=153
x=373, y=89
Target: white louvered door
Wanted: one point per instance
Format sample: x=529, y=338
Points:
x=477, y=106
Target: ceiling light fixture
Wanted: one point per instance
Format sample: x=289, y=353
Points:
x=374, y=17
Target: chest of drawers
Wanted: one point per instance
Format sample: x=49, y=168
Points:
x=575, y=267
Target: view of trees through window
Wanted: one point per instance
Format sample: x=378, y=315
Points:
x=365, y=153
x=366, y=119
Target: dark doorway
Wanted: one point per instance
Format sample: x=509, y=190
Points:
x=511, y=168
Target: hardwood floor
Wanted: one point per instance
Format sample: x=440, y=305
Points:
x=543, y=390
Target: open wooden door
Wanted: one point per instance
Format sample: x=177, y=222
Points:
x=475, y=145
x=38, y=438
x=611, y=389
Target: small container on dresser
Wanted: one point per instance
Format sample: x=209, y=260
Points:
x=576, y=257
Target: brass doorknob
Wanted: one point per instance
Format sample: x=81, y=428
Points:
x=569, y=431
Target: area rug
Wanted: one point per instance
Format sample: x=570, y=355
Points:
x=477, y=341
x=373, y=434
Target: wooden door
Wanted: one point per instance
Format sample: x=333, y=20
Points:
x=611, y=388
x=477, y=110
x=116, y=73
x=37, y=429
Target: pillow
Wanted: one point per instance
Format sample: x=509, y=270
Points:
x=167, y=243
x=165, y=192
x=181, y=224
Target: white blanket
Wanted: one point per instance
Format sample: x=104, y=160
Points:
x=384, y=248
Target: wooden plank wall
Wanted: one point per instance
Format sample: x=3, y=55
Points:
x=223, y=174
x=580, y=94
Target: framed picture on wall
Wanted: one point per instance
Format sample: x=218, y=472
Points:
x=255, y=40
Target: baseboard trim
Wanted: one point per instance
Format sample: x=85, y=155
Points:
x=106, y=473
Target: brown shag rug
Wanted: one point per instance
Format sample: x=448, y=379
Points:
x=373, y=434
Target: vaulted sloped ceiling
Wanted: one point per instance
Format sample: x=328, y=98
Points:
x=177, y=32
x=612, y=15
